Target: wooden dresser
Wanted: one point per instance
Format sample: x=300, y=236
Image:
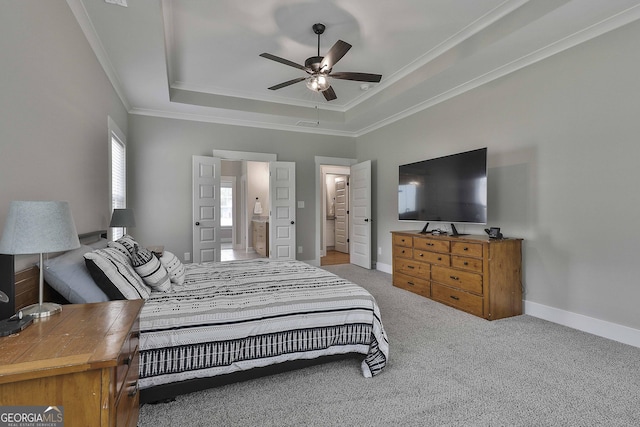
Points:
x=475, y=274
x=84, y=359
x=260, y=231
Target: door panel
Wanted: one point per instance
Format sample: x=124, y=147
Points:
x=341, y=207
x=360, y=214
x=206, y=209
x=282, y=216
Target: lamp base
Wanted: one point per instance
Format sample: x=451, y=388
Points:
x=13, y=326
x=42, y=310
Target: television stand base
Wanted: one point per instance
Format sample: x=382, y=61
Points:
x=454, y=232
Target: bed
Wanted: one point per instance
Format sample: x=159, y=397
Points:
x=220, y=322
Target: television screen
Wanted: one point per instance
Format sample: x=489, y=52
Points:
x=449, y=189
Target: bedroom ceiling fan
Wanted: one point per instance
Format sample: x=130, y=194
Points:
x=319, y=68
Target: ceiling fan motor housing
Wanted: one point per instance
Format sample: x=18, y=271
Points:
x=314, y=64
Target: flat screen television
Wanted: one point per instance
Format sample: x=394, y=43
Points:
x=448, y=189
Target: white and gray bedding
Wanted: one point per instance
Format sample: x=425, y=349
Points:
x=219, y=318
x=239, y=315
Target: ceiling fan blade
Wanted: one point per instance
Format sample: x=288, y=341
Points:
x=329, y=94
x=287, y=83
x=285, y=61
x=359, y=77
x=334, y=55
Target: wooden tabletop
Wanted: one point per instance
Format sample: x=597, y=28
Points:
x=80, y=338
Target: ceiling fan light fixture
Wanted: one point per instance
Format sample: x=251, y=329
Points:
x=318, y=82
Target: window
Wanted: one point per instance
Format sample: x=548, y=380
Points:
x=118, y=181
x=226, y=204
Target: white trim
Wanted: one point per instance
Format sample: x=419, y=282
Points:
x=385, y=268
x=601, y=328
x=89, y=31
x=245, y=155
x=324, y=161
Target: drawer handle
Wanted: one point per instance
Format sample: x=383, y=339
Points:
x=429, y=244
x=402, y=240
x=466, y=263
x=421, y=254
x=403, y=251
x=410, y=267
x=454, y=297
x=133, y=392
x=465, y=248
x=411, y=283
x=454, y=277
x=439, y=258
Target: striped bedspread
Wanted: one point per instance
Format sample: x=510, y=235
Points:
x=240, y=315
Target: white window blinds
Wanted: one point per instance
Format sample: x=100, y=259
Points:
x=118, y=179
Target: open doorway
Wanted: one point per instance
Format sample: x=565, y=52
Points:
x=244, y=212
x=335, y=215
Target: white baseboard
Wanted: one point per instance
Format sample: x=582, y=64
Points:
x=385, y=268
x=602, y=328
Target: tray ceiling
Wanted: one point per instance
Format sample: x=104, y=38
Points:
x=198, y=59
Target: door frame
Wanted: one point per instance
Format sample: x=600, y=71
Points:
x=321, y=162
x=245, y=156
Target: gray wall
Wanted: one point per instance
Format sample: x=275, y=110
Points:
x=563, y=139
x=159, y=173
x=53, y=113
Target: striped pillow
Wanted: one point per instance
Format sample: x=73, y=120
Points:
x=114, y=276
x=149, y=267
x=128, y=243
x=174, y=267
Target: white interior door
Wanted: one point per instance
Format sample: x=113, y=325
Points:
x=206, y=209
x=360, y=214
x=282, y=215
x=342, y=222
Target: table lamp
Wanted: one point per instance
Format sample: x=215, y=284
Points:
x=37, y=227
x=122, y=218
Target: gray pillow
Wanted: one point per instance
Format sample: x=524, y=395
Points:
x=69, y=276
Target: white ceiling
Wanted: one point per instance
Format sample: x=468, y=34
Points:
x=198, y=59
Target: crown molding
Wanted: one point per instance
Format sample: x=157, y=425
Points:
x=612, y=23
x=81, y=15
x=238, y=122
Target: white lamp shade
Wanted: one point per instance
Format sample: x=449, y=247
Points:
x=122, y=218
x=38, y=227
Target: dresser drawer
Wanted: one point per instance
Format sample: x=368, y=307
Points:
x=402, y=252
x=471, y=264
x=128, y=401
x=431, y=244
x=458, y=299
x=431, y=257
x=128, y=359
x=463, y=280
x=400, y=240
x=467, y=249
x=413, y=284
x=413, y=268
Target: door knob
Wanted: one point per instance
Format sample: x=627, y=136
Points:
x=292, y=222
x=366, y=220
x=197, y=223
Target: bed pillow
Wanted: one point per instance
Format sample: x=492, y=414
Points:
x=128, y=242
x=117, y=279
x=174, y=267
x=69, y=276
x=149, y=267
x=122, y=249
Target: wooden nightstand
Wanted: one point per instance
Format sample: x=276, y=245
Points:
x=84, y=359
